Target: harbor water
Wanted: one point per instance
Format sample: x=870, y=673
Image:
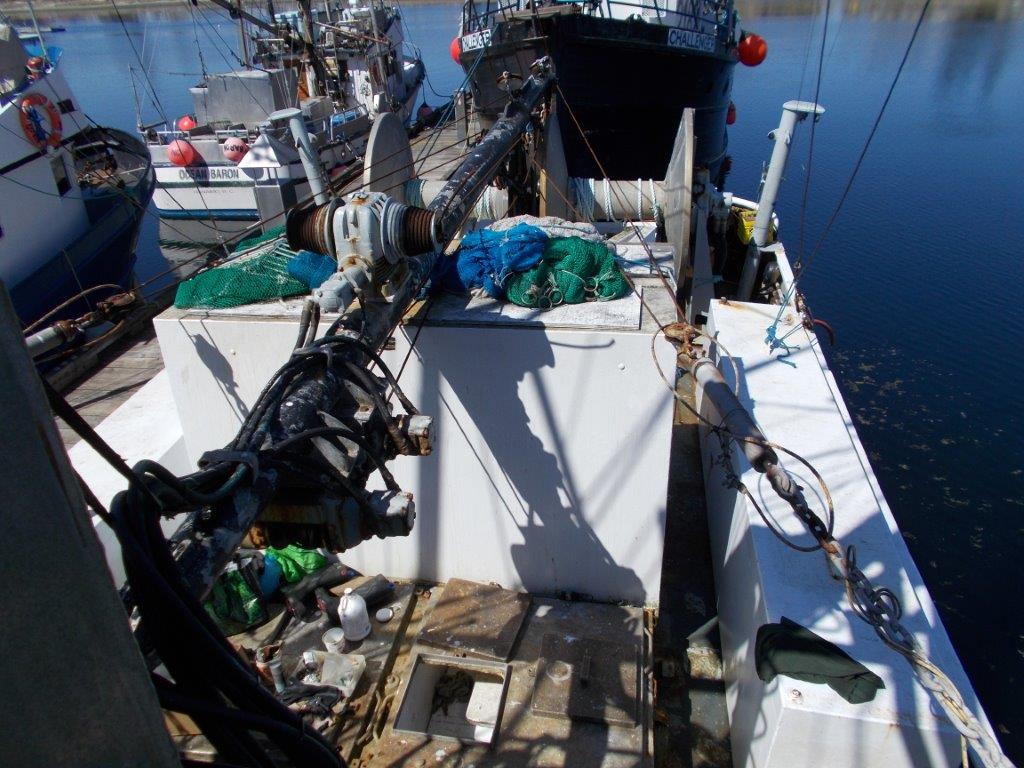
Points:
x=919, y=276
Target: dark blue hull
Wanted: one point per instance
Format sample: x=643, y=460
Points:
x=105, y=255
x=105, y=252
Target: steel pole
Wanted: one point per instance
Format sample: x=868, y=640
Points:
x=792, y=113
x=310, y=158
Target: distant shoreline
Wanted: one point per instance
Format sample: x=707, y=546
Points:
x=18, y=9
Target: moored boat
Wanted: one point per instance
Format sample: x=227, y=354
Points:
x=340, y=68
x=628, y=67
x=74, y=193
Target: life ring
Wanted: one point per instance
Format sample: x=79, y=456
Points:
x=32, y=124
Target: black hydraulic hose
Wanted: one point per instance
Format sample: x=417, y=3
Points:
x=363, y=347
x=390, y=423
x=155, y=580
x=304, y=320
x=198, y=498
x=173, y=699
x=233, y=746
x=314, y=325
x=389, y=479
x=83, y=429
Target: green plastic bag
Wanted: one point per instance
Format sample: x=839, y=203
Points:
x=296, y=562
x=235, y=602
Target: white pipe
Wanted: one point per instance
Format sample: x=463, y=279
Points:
x=792, y=113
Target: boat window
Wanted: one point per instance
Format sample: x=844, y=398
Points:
x=60, y=174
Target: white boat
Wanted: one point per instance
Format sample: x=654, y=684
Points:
x=217, y=163
x=73, y=193
x=569, y=501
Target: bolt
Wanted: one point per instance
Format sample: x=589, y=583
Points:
x=796, y=696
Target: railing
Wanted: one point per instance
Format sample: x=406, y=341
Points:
x=713, y=18
x=332, y=125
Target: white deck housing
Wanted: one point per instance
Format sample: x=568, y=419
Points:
x=551, y=453
x=788, y=723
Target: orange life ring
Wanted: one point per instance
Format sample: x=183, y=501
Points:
x=31, y=124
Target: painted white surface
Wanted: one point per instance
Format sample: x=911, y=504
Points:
x=550, y=462
x=35, y=221
x=796, y=402
x=145, y=427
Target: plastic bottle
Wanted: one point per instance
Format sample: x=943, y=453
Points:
x=354, y=618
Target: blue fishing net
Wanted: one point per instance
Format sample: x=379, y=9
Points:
x=488, y=259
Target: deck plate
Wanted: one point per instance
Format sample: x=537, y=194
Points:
x=585, y=679
x=481, y=620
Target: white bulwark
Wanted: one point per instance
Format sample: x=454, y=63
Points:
x=785, y=723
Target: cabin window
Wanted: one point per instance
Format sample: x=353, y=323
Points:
x=60, y=174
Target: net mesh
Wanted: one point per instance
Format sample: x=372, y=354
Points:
x=572, y=271
x=257, y=276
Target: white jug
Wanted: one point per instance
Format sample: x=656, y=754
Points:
x=354, y=618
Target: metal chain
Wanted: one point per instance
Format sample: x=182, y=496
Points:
x=880, y=608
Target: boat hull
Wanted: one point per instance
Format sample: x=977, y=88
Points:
x=636, y=107
x=102, y=252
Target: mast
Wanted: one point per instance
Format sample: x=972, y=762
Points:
x=39, y=35
x=319, y=71
x=243, y=38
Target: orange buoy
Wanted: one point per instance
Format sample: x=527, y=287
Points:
x=730, y=115
x=752, y=49
x=32, y=121
x=455, y=49
x=234, y=149
x=180, y=152
x=36, y=66
x=186, y=123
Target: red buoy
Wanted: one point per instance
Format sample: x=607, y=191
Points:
x=186, y=123
x=730, y=116
x=424, y=111
x=36, y=66
x=752, y=50
x=455, y=49
x=180, y=152
x=234, y=149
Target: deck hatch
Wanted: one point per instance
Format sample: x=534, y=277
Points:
x=585, y=679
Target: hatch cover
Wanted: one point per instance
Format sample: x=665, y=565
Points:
x=585, y=679
x=480, y=620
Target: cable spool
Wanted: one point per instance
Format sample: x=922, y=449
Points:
x=309, y=229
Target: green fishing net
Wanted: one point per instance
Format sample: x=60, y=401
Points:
x=266, y=237
x=572, y=271
x=258, y=276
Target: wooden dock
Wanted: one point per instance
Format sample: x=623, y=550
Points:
x=120, y=372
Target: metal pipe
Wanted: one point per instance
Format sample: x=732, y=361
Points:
x=310, y=158
x=792, y=113
x=734, y=415
x=455, y=202
x=50, y=338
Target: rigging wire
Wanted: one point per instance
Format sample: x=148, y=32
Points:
x=154, y=98
x=814, y=123
x=195, y=36
x=803, y=267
